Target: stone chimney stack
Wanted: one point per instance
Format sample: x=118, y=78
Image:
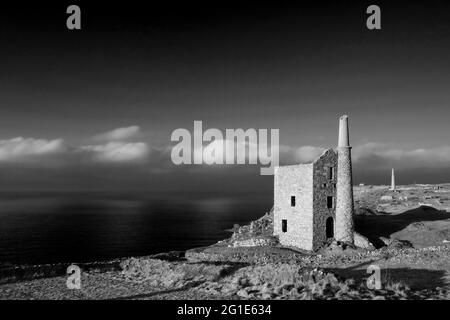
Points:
x=344, y=185
x=393, y=180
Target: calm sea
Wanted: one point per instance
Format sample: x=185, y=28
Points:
x=81, y=227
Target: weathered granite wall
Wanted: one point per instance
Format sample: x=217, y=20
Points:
x=324, y=186
x=296, y=180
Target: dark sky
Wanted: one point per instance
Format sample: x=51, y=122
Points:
x=294, y=67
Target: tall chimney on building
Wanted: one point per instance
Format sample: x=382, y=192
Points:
x=393, y=180
x=344, y=186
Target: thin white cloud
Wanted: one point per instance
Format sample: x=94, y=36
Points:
x=305, y=154
x=55, y=152
x=118, y=152
x=20, y=148
x=375, y=155
x=217, y=149
x=119, y=134
x=382, y=155
x=51, y=152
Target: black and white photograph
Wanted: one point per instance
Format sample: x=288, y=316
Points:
x=236, y=152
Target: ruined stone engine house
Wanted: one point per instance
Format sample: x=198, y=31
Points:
x=314, y=202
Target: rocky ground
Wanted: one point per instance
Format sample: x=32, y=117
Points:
x=375, y=200
x=405, y=274
x=411, y=250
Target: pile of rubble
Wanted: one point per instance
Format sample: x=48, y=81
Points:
x=257, y=233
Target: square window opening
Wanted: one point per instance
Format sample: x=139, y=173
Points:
x=284, y=225
x=330, y=202
x=330, y=173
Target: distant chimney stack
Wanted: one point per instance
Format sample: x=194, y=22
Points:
x=393, y=180
x=344, y=186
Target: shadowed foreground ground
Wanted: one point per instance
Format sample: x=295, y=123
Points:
x=405, y=274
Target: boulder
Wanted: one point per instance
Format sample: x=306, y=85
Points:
x=386, y=198
x=394, y=243
x=386, y=241
x=362, y=242
x=400, y=244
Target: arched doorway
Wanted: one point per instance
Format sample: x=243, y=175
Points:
x=330, y=228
